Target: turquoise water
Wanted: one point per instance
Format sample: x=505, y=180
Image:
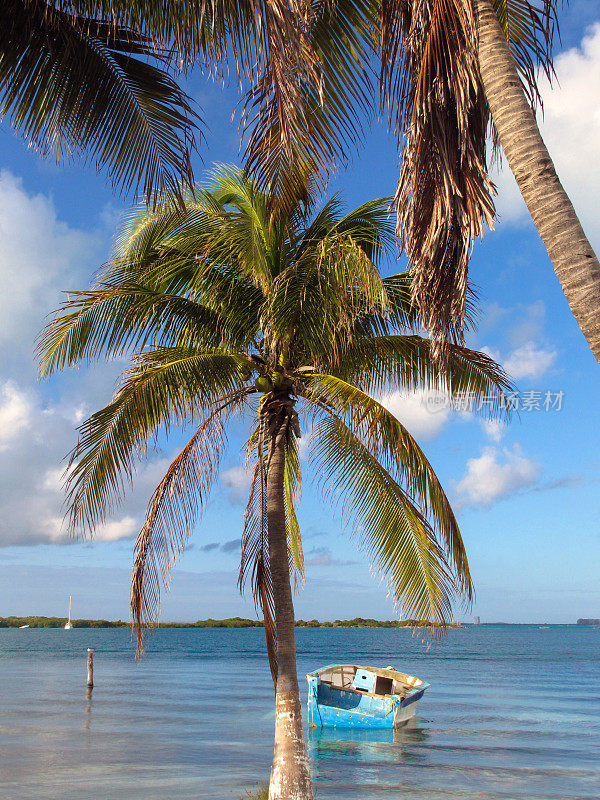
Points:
x=513, y=712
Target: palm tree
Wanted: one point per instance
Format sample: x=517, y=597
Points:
x=453, y=70
x=570, y=252
x=74, y=81
x=237, y=306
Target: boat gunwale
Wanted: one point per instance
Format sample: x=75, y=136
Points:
x=383, y=671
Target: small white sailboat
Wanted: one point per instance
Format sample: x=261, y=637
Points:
x=22, y=627
x=68, y=625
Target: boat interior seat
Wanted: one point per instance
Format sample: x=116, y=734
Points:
x=354, y=682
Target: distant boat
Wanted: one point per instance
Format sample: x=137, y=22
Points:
x=351, y=696
x=541, y=627
x=68, y=625
x=23, y=626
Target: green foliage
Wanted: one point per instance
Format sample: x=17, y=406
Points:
x=258, y=794
x=59, y=622
x=230, y=622
x=241, y=285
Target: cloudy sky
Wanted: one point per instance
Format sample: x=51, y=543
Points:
x=526, y=494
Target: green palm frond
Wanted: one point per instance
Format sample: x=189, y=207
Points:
x=331, y=278
x=111, y=320
x=81, y=86
x=229, y=222
x=292, y=489
x=162, y=387
x=388, y=441
x=384, y=363
x=395, y=534
x=370, y=226
x=146, y=234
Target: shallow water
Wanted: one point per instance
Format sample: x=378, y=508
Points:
x=513, y=712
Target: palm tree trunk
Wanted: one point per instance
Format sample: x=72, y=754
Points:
x=574, y=261
x=290, y=774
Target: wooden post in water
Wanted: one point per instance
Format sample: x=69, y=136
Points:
x=90, y=669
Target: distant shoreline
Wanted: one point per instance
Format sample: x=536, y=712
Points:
x=241, y=622
x=230, y=622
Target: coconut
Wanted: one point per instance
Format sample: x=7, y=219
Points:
x=262, y=383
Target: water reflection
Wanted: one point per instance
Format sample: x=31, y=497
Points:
x=367, y=745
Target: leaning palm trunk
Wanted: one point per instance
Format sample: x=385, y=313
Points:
x=571, y=254
x=290, y=774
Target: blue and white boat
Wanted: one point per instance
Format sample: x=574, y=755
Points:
x=351, y=696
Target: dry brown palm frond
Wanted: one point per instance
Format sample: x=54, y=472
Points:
x=172, y=512
x=255, y=561
x=306, y=115
x=444, y=195
x=255, y=564
x=276, y=101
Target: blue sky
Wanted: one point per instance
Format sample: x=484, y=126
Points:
x=526, y=494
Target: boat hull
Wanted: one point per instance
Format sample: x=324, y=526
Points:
x=333, y=707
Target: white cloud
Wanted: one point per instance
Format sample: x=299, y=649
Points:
x=494, y=429
x=32, y=476
x=238, y=480
x=53, y=480
x=15, y=412
x=570, y=127
x=118, y=529
x=494, y=475
x=80, y=412
x=55, y=530
x=424, y=412
x=304, y=445
x=39, y=256
x=529, y=361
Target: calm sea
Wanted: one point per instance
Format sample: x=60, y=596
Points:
x=513, y=712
